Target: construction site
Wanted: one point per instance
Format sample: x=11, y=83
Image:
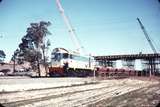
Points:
x=76, y=78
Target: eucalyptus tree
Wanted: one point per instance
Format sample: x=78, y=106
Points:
x=33, y=44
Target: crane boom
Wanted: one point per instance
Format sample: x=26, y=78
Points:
x=147, y=36
x=69, y=26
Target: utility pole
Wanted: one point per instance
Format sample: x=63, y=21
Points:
x=14, y=62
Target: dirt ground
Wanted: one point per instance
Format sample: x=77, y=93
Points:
x=144, y=97
x=128, y=92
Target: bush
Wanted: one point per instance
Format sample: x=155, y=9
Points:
x=5, y=70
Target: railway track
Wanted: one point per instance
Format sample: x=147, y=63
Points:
x=81, y=95
x=43, y=95
x=143, y=97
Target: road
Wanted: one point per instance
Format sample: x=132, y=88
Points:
x=75, y=95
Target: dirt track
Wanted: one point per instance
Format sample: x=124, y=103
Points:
x=144, y=97
x=97, y=94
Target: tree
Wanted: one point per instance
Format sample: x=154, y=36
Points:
x=45, y=48
x=2, y=55
x=33, y=44
x=18, y=57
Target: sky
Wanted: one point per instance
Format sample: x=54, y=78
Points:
x=104, y=27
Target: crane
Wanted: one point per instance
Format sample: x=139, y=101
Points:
x=147, y=36
x=71, y=30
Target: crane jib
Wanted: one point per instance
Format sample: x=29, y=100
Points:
x=70, y=28
x=147, y=36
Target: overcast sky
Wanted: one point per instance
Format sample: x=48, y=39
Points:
x=104, y=27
